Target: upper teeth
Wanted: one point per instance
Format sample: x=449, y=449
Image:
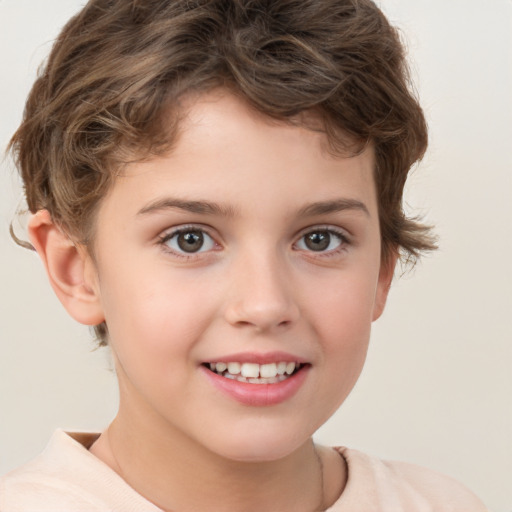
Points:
x=253, y=370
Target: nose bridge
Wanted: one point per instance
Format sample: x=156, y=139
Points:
x=261, y=290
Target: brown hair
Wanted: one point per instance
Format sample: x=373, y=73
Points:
x=118, y=65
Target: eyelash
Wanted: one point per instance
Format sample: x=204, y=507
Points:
x=344, y=240
x=164, y=239
x=167, y=237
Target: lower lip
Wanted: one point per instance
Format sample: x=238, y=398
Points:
x=258, y=395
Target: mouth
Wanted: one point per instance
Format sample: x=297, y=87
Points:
x=253, y=373
x=257, y=379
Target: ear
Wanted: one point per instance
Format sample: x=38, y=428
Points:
x=386, y=273
x=70, y=269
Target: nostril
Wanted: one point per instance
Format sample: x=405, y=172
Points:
x=242, y=323
x=262, y=314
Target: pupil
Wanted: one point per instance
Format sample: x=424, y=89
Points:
x=318, y=241
x=191, y=241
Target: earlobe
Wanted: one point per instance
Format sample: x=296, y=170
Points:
x=387, y=271
x=69, y=268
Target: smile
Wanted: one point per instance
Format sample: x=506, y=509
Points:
x=253, y=373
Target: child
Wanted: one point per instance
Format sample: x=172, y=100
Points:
x=216, y=186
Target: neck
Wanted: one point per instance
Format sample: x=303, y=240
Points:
x=176, y=474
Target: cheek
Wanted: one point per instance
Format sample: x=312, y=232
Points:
x=343, y=312
x=345, y=334
x=155, y=317
x=154, y=330
x=343, y=305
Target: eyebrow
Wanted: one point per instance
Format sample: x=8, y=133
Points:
x=211, y=208
x=333, y=206
x=199, y=207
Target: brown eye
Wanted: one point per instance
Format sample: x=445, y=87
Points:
x=318, y=241
x=189, y=241
x=322, y=240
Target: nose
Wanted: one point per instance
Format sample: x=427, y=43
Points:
x=261, y=294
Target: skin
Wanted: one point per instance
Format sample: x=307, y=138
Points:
x=254, y=287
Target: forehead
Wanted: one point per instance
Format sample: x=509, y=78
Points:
x=233, y=154
x=219, y=117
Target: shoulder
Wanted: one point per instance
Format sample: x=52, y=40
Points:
x=444, y=492
x=66, y=477
x=25, y=492
x=44, y=485
x=399, y=486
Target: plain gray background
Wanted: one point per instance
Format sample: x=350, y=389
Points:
x=438, y=382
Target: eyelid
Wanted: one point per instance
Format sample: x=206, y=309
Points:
x=344, y=235
x=342, y=232
x=170, y=233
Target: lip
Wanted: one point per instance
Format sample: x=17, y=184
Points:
x=258, y=395
x=258, y=358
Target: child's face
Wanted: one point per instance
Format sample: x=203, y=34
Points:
x=249, y=243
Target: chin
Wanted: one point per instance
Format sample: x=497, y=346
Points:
x=260, y=445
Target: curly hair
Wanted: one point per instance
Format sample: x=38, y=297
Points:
x=119, y=65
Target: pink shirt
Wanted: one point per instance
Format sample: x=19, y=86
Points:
x=66, y=477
